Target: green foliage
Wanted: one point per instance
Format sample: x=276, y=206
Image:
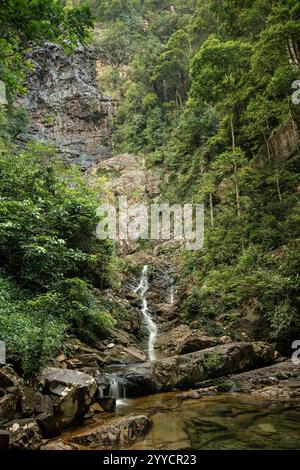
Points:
x=49, y=247
x=212, y=364
x=206, y=87
x=28, y=22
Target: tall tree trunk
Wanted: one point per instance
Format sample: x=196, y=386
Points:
x=232, y=134
x=237, y=191
x=278, y=186
x=268, y=146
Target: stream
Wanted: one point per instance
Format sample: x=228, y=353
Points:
x=224, y=422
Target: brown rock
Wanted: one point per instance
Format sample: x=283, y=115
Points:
x=182, y=372
x=8, y=405
x=195, y=342
x=107, y=403
x=56, y=445
x=122, y=431
x=25, y=435
x=96, y=408
x=72, y=393
x=8, y=378
x=42, y=404
x=47, y=424
x=27, y=401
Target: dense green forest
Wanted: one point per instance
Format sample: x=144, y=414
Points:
x=202, y=85
x=50, y=257
x=207, y=85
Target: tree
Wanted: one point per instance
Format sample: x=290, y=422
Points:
x=24, y=23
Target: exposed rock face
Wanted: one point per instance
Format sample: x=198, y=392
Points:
x=72, y=393
x=65, y=106
x=183, y=340
x=195, y=342
x=283, y=142
x=182, y=372
x=122, y=432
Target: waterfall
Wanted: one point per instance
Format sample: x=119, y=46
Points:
x=117, y=387
x=172, y=290
x=172, y=294
x=151, y=326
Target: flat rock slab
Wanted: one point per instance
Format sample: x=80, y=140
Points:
x=118, y=432
x=276, y=382
x=186, y=371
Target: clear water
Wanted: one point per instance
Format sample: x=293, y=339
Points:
x=226, y=422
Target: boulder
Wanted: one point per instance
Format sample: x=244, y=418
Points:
x=96, y=408
x=27, y=401
x=8, y=405
x=47, y=424
x=195, y=342
x=72, y=393
x=43, y=404
x=278, y=382
x=25, y=435
x=119, y=432
x=107, y=403
x=8, y=378
x=182, y=372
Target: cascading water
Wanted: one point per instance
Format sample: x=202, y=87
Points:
x=151, y=326
x=117, y=387
x=172, y=291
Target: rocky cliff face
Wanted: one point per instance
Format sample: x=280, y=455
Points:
x=65, y=106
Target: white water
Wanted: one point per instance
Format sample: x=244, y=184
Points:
x=151, y=326
x=117, y=388
x=172, y=292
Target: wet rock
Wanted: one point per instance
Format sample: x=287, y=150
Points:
x=4, y=440
x=107, y=403
x=8, y=378
x=47, y=424
x=72, y=393
x=25, y=435
x=96, y=408
x=119, y=432
x=8, y=405
x=195, y=342
x=280, y=381
x=182, y=372
x=43, y=404
x=27, y=401
x=56, y=445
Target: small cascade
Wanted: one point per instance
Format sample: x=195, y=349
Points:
x=172, y=291
x=117, y=387
x=151, y=326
